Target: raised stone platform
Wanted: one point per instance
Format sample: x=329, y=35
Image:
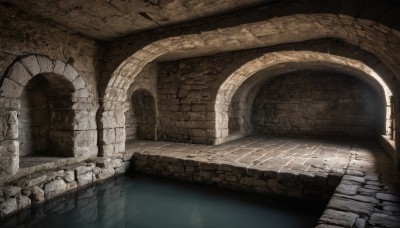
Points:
x=358, y=173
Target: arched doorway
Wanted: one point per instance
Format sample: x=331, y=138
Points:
x=141, y=116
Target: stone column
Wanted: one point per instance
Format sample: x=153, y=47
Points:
x=221, y=122
x=9, y=145
x=111, y=129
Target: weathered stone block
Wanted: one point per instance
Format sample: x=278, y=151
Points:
x=10, y=89
x=19, y=74
x=69, y=176
x=23, y=201
x=8, y=125
x=54, y=188
x=78, y=83
x=9, y=206
x=351, y=206
x=382, y=220
x=107, y=120
x=11, y=191
x=347, y=189
x=388, y=197
x=59, y=67
x=105, y=173
x=37, y=194
x=120, y=135
x=31, y=64
x=107, y=136
x=9, y=159
x=85, y=179
x=339, y=218
x=35, y=181
x=84, y=120
x=46, y=65
x=70, y=73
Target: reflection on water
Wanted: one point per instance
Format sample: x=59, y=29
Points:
x=142, y=201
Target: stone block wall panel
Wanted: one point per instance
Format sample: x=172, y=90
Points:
x=58, y=54
x=316, y=104
x=39, y=187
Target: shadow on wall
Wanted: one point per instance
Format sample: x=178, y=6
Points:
x=318, y=104
x=41, y=120
x=141, y=116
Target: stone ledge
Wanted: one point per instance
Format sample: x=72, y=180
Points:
x=280, y=181
x=42, y=184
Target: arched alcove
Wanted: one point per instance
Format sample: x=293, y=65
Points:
x=145, y=112
x=235, y=91
x=46, y=106
x=140, y=117
x=45, y=99
x=317, y=104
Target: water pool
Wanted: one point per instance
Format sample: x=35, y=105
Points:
x=142, y=201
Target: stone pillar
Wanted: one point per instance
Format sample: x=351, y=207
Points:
x=9, y=145
x=111, y=129
x=221, y=122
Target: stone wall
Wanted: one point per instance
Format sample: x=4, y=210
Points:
x=146, y=82
x=57, y=53
x=272, y=182
x=38, y=187
x=93, y=203
x=317, y=104
x=186, y=91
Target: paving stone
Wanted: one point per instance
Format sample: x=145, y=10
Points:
x=372, y=177
x=382, y=220
x=354, y=178
x=327, y=226
x=353, y=172
x=388, y=197
x=347, y=189
x=367, y=192
x=373, y=187
x=360, y=223
x=366, y=199
x=339, y=218
x=351, y=206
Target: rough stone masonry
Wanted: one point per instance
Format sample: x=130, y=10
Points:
x=81, y=82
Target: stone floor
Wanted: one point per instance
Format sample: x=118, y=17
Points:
x=368, y=194
x=296, y=154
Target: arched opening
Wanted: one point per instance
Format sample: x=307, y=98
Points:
x=48, y=101
x=317, y=104
x=141, y=116
x=234, y=116
x=45, y=117
x=33, y=117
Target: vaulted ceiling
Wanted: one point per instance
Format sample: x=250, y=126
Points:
x=108, y=19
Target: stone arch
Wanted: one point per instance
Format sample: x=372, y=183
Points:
x=270, y=60
x=76, y=130
x=259, y=34
x=273, y=31
x=240, y=109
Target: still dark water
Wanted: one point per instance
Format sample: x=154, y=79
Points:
x=142, y=201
